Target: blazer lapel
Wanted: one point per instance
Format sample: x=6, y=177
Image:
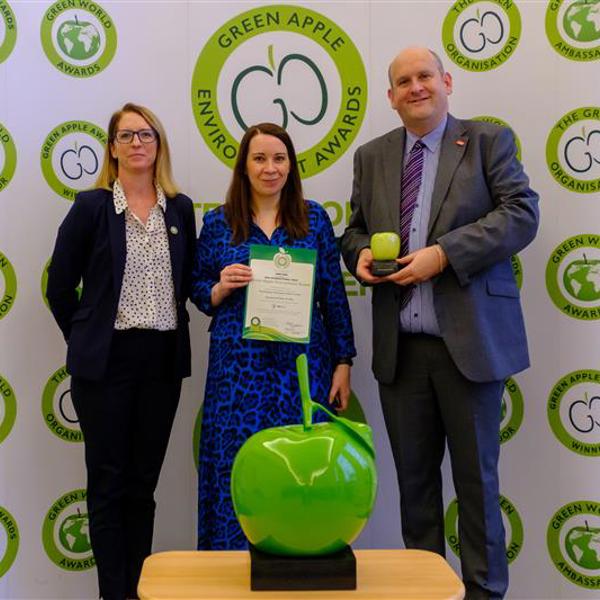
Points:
x=176, y=246
x=118, y=243
x=454, y=144
x=392, y=170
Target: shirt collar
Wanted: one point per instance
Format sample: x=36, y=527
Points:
x=120, y=201
x=431, y=141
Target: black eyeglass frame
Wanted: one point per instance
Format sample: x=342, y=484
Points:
x=139, y=133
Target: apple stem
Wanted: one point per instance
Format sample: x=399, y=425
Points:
x=587, y=527
x=584, y=258
x=270, y=56
x=304, y=383
x=76, y=20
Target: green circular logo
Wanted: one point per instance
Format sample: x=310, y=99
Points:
x=71, y=157
x=8, y=31
x=8, y=408
x=512, y=410
x=573, y=150
x=573, y=28
x=573, y=538
x=10, y=532
x=517, y=269
x=481, y=35
x=574, y=411
x=66, y=533
x=497, y=121
x=288, y=65
x=57, y=407
x=573, y=277
x=8, y=156
x=512, y=523
x=78, y=37
x=8, y=286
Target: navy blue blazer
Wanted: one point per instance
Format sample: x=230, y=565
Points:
x=91, y=249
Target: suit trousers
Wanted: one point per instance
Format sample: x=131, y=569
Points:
x=429, y=404
x=126, y=420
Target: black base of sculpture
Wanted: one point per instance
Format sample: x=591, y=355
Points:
x=329, y=572
x=381, y=268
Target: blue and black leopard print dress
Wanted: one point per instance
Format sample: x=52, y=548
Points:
x=252, y=384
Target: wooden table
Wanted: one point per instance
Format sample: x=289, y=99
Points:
x=381, y=574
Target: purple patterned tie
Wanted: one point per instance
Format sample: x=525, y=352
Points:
x=411, y=182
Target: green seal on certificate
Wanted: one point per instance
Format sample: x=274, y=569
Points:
x=279, y=297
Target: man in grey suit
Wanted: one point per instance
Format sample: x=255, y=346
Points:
x=448, y=327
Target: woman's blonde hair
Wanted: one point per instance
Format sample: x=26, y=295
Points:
x=162, y=166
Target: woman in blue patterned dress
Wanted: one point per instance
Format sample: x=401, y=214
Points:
x=252, y=384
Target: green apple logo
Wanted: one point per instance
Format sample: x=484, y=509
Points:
x=228, y=87
x=277, y=74
x=78, y=40
x=305, y=489
x=77, y=161
x=581, y=414
x=583, y=546
x=476, y=32
x=74, y=533
x=582, y=279
x=577, y=154
x=573, y=539
x=78, y=37
x=581, y=21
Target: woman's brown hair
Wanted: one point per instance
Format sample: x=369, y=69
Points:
x=293, y=212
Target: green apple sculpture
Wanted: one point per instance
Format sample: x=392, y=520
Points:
x=305, y=489
x=385, y=247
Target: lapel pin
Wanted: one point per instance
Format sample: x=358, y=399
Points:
x=173, y=230
x=461, y=142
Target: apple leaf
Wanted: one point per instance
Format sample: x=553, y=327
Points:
x=270, y=54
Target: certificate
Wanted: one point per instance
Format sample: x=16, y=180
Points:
x=279, y=297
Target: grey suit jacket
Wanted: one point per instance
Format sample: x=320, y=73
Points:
x=483, y=211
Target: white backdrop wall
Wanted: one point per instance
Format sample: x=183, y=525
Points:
x=66, y=66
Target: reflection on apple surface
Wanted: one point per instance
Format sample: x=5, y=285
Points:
x=305, y=489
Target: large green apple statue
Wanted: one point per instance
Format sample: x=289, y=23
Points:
x=305, y=489
x=385, y=247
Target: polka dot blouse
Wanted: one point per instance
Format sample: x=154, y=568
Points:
x=147, y=298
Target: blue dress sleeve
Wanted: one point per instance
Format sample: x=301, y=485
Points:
x=207, y=268
x=333, y=302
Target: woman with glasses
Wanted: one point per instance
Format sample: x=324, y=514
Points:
x=130, y=243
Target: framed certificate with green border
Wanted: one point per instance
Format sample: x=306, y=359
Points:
x=279, y=297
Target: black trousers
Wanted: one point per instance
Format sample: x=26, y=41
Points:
x=431, y=403
x=126, y=421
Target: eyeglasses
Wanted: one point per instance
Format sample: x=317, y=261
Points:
x=146, y=136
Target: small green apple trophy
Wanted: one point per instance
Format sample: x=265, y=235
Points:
x=302, y=494
x=385, y=247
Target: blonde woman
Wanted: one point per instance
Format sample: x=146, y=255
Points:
x=130, y=242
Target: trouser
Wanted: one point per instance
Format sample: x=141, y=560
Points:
x=431, y=403
x=126, y=421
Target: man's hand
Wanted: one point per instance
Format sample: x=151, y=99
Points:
x=420, y=266
x=363, y=267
